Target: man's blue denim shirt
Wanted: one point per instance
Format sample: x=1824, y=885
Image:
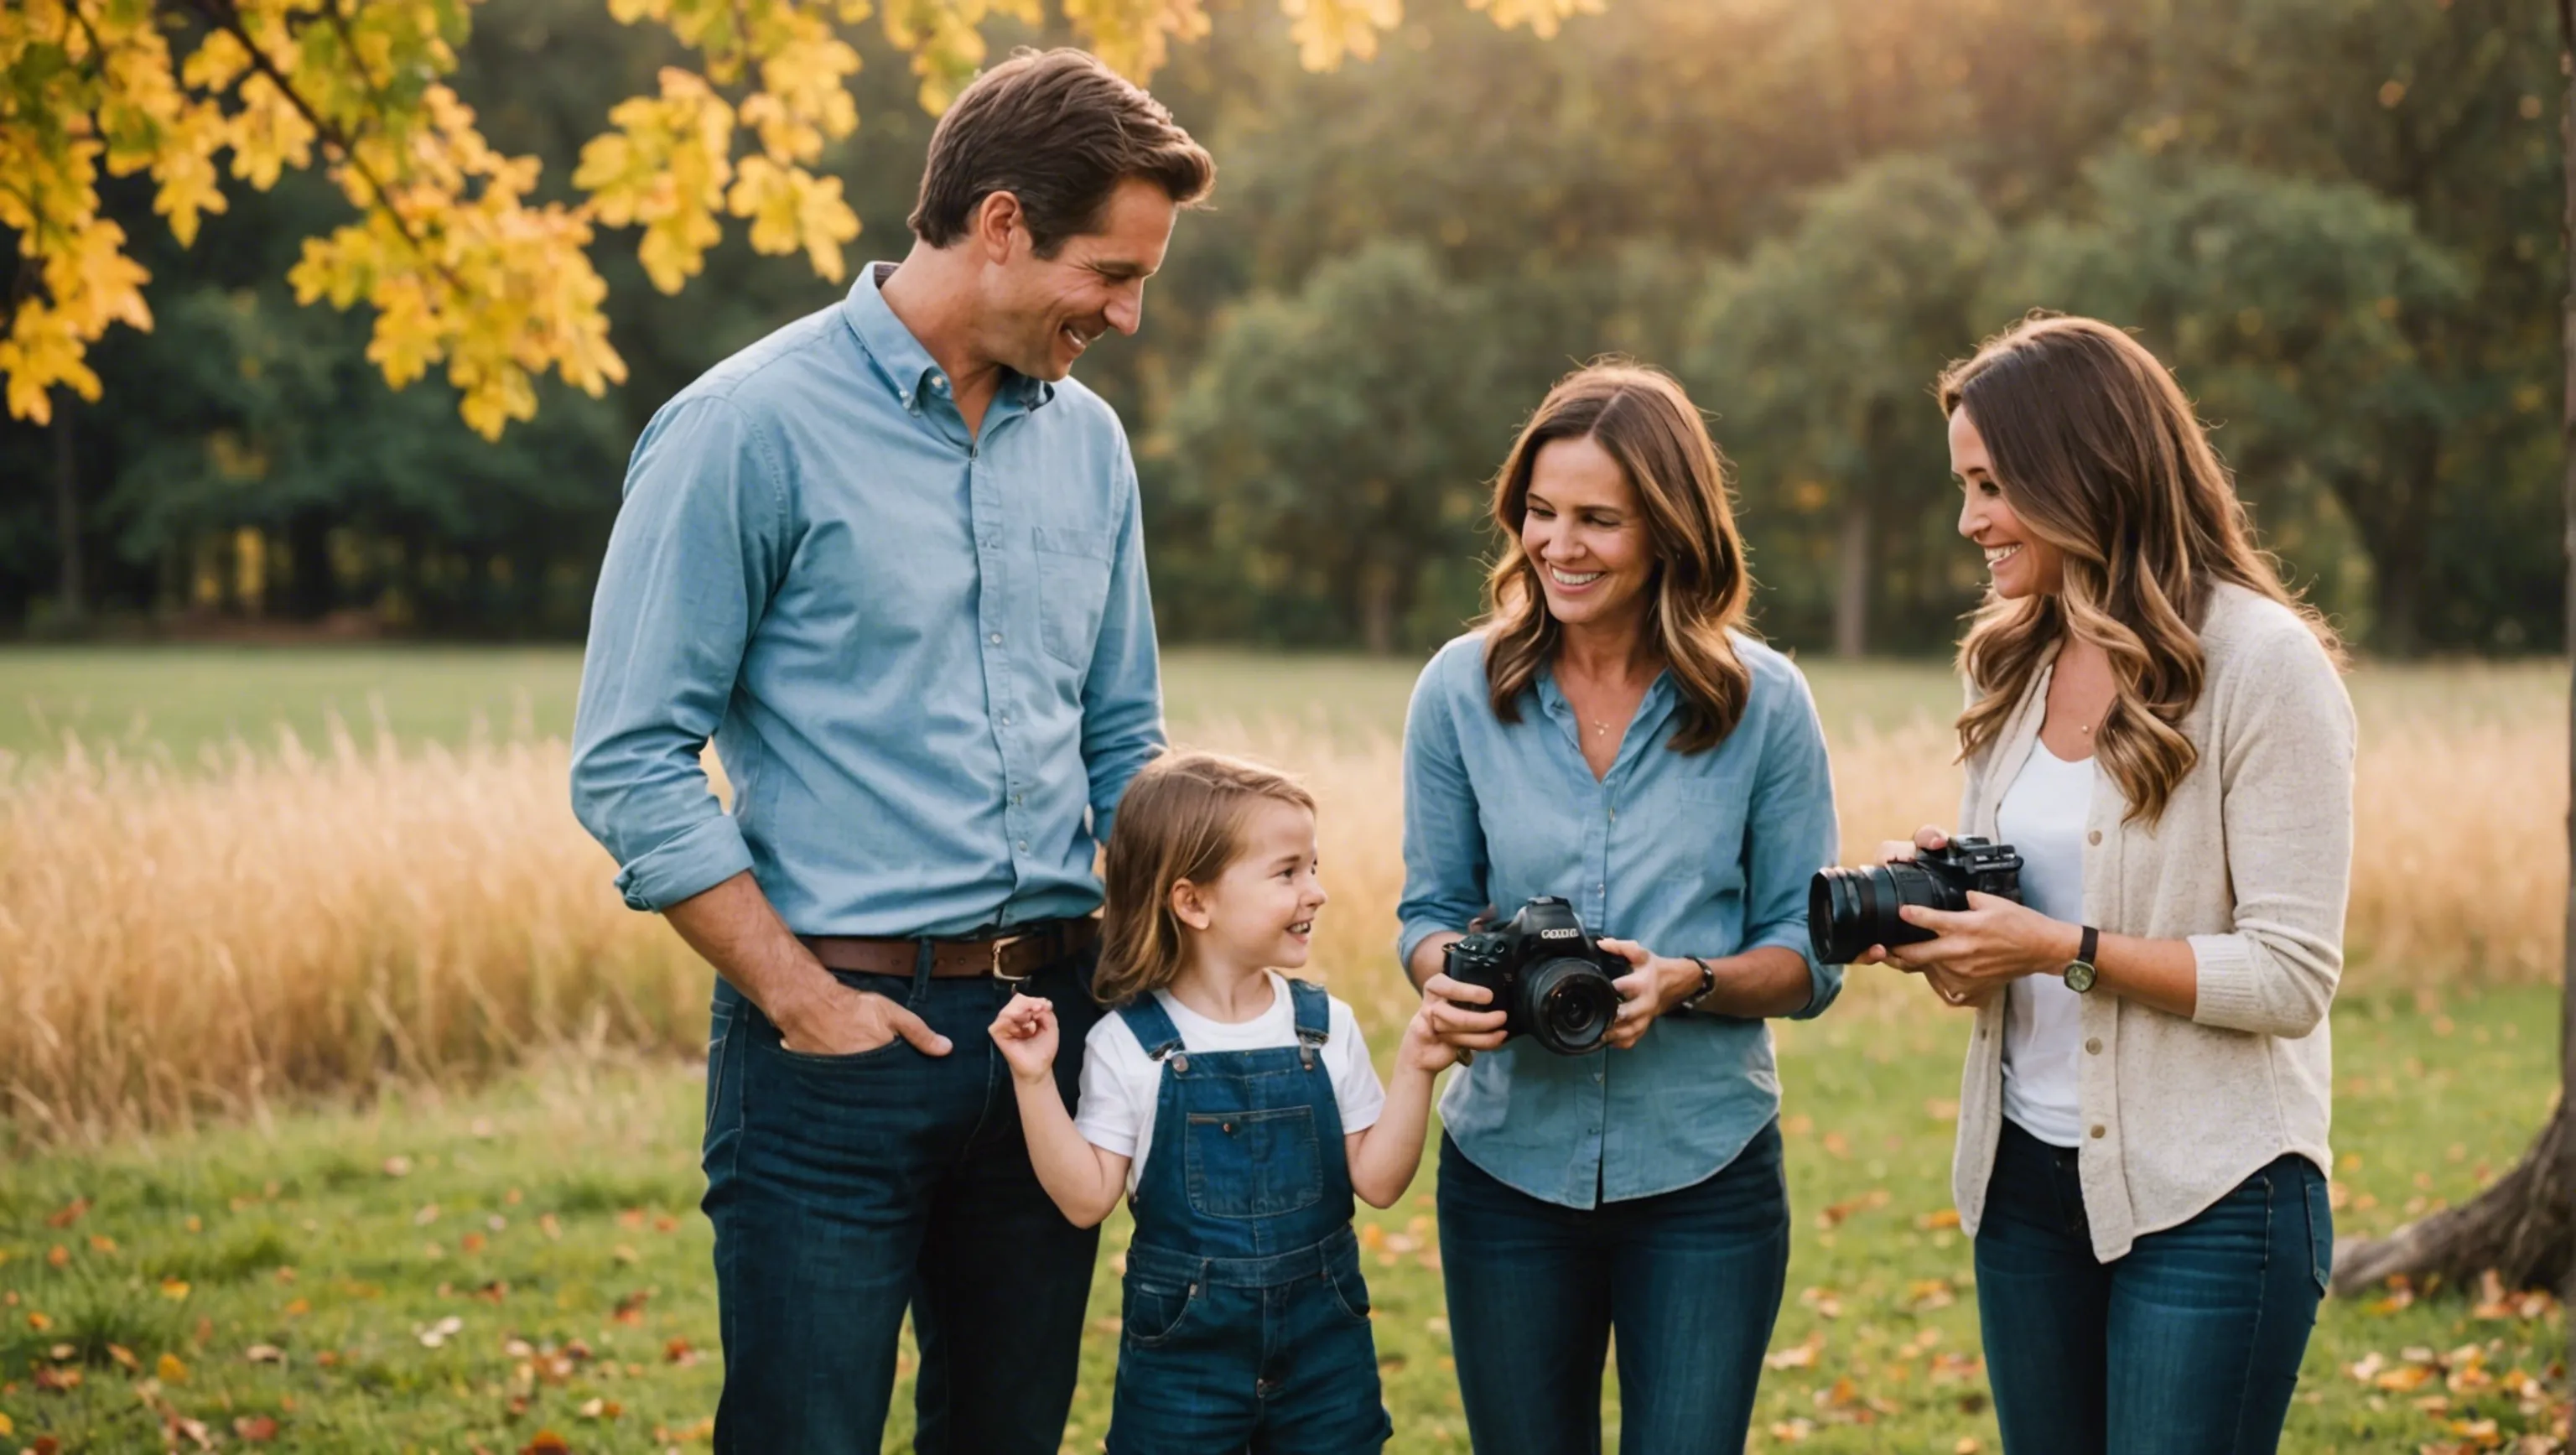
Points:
x=926, y=658
x=1703, y=854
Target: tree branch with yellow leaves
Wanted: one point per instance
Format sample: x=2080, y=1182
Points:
x=459, y=267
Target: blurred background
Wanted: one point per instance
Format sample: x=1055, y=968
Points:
x=344, y=1106
x=2338, y=220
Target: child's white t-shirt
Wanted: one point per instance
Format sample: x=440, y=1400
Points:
x=1120, y=1086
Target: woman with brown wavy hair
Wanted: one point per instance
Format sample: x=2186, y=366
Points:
x=2161, y=731
x=1611, y=735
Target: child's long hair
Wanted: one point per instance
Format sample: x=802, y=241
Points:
x=1182, y=818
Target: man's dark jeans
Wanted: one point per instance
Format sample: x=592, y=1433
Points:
x=844, y=1188
x=2187, y=1345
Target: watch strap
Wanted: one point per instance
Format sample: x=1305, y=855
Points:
x=1707, y=981
x=2092, y=943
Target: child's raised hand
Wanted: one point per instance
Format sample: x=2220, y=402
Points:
x=1026, y=1032
x=1422, y=1048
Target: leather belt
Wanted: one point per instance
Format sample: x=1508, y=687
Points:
x=1012, y=954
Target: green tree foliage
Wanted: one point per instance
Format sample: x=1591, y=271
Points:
x=2337, y=218
x=1817, y=351
x=1334, y=444
x=2305, y=317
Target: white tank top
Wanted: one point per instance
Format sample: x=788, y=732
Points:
x=2043, y=816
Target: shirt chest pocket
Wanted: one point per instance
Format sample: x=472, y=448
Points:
x=1252, y=1164
x=1073, y=590
x=1708, y=815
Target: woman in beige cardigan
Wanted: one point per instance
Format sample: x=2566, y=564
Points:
x=2163, y=734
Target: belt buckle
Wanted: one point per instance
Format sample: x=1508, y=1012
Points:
x=1004, y=943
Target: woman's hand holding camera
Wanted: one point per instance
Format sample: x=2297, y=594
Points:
x=1977, y=951
x=1654, y=986
x=1461, y=1016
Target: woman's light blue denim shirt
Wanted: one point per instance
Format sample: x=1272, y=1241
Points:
x=1703, y=854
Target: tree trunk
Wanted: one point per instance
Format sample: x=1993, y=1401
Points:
x=1377, y=606
x=310, y=590
x=2524, y=1227
x=72, y=589
x=1851, y=578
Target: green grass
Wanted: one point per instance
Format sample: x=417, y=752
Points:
x=536, y=1211
x=183, y=700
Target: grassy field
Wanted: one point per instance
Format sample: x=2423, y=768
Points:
x=369, y=1014
x=445, y=1274
x=180, y=700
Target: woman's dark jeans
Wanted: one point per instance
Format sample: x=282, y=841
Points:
x=1690, y=1279
x=2188, y=1345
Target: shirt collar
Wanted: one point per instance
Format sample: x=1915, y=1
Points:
x=907, y=367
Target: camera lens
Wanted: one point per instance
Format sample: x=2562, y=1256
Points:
x=1849, y=910
x=1568, y=1005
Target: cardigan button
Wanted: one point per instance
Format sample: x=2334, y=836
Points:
x=2093, y=1046
x=2094, y=837
x=2098, y=1132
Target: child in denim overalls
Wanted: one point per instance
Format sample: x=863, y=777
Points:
x=1238, y=1111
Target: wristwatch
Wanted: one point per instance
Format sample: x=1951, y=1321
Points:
x=2080, y=973
x=1707, y=982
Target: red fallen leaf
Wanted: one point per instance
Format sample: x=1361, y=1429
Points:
x=256, y=1429
x=632, y=1217
x=547, y=1442
x=62, y=1380
x=678, y=1352
x=70, y=1214
x=577, y=1349
x=47, y=1445
x=630, y=1309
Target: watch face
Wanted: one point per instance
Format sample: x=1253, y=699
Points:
x=2079, y=976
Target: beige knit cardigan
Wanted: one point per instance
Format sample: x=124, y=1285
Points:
x=2252, y=863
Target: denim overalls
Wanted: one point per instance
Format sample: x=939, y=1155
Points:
x=1245, y=1319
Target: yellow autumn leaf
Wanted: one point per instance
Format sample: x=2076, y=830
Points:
x=170, y=1370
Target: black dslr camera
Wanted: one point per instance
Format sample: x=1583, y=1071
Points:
x=1849, y=910
x=1548, y=977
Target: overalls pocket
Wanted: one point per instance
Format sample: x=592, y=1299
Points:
x=1252, y=1164
x=1150, y=1313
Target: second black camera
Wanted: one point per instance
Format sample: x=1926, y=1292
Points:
x=1849, y=910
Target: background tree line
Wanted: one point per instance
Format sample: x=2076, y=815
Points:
x=2337, y=218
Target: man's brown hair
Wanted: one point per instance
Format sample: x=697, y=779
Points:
x=1059, y=131
x=1181, y=818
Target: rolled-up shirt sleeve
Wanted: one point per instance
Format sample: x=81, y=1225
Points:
x=2286, y=776
x=698, y=548
x=1122, y=696
x=1793, y=833
x=1445, y=882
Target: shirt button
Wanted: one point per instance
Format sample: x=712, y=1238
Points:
x=2099, y=1131
x=1024, y=848
x=2093, y=1046
x=1006, y=719
x=1018, y=798
x=995, y=639
x=2094, y=837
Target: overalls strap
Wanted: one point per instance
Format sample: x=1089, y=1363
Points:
x=1152, y=1026
x=1314, y=1011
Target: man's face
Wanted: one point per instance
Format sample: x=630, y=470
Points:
x=1042, y=313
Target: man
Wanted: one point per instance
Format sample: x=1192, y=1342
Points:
x=888, y=558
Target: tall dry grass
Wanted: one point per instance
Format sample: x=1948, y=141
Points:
x=176, y=943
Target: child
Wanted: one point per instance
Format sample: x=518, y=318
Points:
x=1238, y=1112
